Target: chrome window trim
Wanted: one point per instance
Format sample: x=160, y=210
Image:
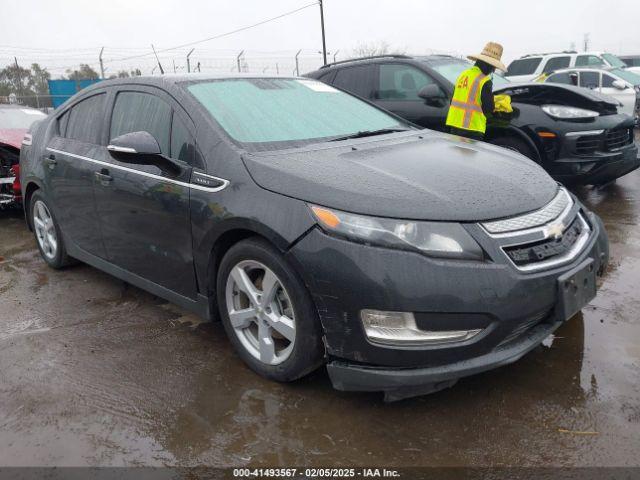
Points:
x=566, y=258
x=224, y=185
x=542, y=228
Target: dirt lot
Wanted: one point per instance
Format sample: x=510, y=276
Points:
x=93, y=372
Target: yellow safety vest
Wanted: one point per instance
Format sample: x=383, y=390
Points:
x=465, y=110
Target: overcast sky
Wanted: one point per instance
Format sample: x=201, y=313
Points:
x=66, y=32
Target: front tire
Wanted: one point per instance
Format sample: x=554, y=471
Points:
x=267, y=312
x=47, y=232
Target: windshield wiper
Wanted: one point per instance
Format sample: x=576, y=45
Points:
x=369, y=133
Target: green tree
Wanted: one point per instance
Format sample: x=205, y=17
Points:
x=39, y=79
x=16, y=79
x=85, y=72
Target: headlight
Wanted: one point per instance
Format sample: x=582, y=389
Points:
x=437, y=239
x=562, y=112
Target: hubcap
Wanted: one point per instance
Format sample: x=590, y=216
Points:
x=260, y=312
x=45, y=229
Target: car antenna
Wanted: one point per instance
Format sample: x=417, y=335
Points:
x=159, y=64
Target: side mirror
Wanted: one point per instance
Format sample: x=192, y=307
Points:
x=619, y=84
x=432, y=92
x=141, y=148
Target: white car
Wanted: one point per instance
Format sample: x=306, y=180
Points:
x=619, y=83
x=529, y=67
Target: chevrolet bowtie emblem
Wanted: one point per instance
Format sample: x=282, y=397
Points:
x=555, y=231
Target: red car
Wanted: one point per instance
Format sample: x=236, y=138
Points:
x=15, y=121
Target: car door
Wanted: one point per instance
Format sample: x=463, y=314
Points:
x=626, y=96
x=144, y=211
x=69, y=172
x=397, y=87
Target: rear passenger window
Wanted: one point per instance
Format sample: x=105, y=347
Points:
x=85, y=120
x=137, y=112
x=401, y=82
x=523, y=66
x=588, y=61
x=556, y=63
x=356, y=80
x=589, y=79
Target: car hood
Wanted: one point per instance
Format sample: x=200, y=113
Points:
x=555, y=93
x=12, y=136
x=429, y=176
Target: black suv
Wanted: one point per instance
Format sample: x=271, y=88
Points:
x=319, y=228
x=574, y=133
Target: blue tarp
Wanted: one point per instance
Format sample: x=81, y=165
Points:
x=62, y=90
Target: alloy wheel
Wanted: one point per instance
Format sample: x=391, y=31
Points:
x=45, y=229
x=260, y=312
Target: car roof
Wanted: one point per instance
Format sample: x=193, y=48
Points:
x=586, y=69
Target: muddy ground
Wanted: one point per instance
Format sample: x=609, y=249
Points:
x=93, y=372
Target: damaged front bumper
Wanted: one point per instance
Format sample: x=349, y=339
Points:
x=514, y=310
x=7, y=197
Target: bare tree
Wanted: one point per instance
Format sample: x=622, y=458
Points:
x=371, y=49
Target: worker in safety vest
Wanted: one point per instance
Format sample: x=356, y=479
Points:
x=472, y=98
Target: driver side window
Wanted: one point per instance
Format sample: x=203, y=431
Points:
x=138, y=111
x=401, y=82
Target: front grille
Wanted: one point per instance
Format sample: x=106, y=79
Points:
x=587, y=144
x=618, y=138
x=547, y=249
x=549, y=212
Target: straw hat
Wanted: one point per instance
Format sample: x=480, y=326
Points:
x=491, y=54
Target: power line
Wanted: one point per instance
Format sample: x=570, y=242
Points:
x=215, y=37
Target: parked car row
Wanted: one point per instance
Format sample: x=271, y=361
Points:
x=577, y=135
x=528, y=67
x=338, y=233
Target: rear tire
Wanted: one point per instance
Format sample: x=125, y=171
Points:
x=47, y=232
x=275, y=329
x=516, y=144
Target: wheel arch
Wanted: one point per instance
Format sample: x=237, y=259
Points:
x=234, y=231
x=31, y=187
x=510, y=131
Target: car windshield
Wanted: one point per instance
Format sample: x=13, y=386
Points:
x=19, y=118
x=275, y=113
x=613, y=60
x=451, y=70
x=632, y=78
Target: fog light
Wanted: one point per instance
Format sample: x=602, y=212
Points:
x=399, y=328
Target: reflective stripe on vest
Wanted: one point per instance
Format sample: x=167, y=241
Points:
x=465, y=110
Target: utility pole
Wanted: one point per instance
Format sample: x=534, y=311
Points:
x=174, y=65
x=335, y=55
x=198, y=67
x=586, y=41
x=238, y=61
x=101, y=63
x=324, y=43
x=297, y=66
x=157, y=59
x=188, y=64
x=18, y=78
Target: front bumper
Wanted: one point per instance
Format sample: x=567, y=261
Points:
x=516, y=310
x=597, y=169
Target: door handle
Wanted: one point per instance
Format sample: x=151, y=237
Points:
x=103, y=176
x=50, y=160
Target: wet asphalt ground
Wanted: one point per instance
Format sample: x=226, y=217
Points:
x=95, y=372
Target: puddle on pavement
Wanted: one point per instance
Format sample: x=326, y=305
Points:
x=123, y=378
